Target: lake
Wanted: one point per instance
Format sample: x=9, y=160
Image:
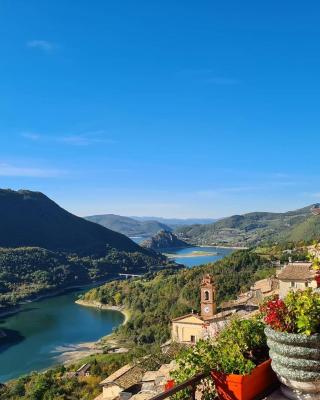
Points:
x=188, y=255
x=193, y=256
x=49, y=327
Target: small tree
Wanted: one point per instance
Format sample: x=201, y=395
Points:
x=117, y=298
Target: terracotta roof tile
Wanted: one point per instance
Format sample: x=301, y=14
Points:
x=297, y=271
x=186, y=316
x=125, y=377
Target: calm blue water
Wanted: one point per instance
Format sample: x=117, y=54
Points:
x=218, y=253
x=47, y=328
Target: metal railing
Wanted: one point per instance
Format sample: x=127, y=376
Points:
x=189, y=384
x=192, y=384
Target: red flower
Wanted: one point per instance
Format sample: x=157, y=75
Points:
x=275, y=312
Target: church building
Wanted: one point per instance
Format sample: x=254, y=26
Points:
x=192, y=327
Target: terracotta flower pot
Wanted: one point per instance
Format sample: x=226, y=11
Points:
x=244, y=387
x=296, y=360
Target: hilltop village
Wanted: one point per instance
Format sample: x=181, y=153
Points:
x=132, y=382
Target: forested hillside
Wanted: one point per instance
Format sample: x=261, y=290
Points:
x=255, y=228
x=26, y=272
x=153, y=301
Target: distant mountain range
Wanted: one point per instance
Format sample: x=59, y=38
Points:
x=143, y=226
x=31, y=219
x=129, y=226
x=255, y=228
x=175, y=222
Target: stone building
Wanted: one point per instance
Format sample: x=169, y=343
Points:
x=190, y=328
x=132, y=382
x=122, y=384
x=296, y=276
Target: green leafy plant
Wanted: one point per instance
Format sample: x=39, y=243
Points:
x=236, y=350
x=298, y=312
x=240, y=347
x=304, y=309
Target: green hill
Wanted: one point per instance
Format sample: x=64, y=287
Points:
x=307, y=230
x=255, y=228
x=32, y=219
x=128, y=226
x=26, y=272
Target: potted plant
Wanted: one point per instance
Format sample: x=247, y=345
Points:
x=237, y=359
x=293, y=336
x=242, y=368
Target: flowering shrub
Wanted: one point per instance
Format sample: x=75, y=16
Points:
x=298, y=312
x=276, y=314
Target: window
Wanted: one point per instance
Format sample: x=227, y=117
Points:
x=306, y=284
x=206, y=295
x=192, y=339
x=292, y=284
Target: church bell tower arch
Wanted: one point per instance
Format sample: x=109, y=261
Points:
x=208, y=297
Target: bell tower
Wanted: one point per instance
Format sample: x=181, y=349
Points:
x=208, y=297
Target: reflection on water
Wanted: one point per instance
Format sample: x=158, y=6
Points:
x=41, y=330
x=9, y=337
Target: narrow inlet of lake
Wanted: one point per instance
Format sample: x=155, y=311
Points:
x=43, y=330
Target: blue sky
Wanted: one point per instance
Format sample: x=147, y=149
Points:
x=168, y=108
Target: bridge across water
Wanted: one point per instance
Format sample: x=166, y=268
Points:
x=130, y=275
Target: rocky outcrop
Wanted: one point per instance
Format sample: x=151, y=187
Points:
x=164, y=240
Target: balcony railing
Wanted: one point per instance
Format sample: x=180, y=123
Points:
x=190, y=384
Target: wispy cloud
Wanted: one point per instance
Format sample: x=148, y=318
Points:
x=31, y=136
x=266, y=185
x=209, y=76
x=210, y=193
x=9, y=170
x=84, y=139
x=43, y=45
x=218, y=80
x=314, y=195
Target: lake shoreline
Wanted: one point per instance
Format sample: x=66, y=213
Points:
x=96, y=304
x=191, y=255
x=225, y=247
x=77, y=352
x=50, y=293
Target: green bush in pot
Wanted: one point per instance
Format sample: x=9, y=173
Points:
x=293, y=332
x=237, y=349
